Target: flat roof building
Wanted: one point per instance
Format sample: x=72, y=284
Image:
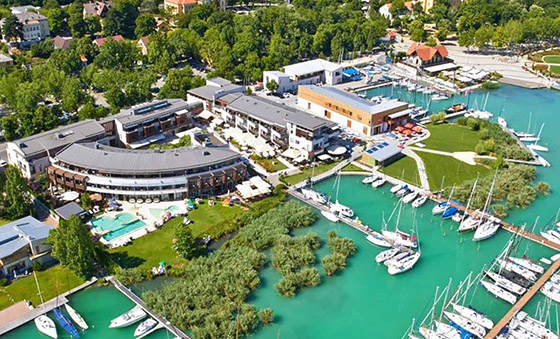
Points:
x=304, y=73
x=349, y=110
x=214, y=89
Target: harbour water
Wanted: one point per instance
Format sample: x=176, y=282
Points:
x=364, y=301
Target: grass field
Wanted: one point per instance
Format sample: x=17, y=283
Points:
x=404, y=169
x=555, y=69
x=454, y=171
x=352, y=168
x=451, y=138
x=271, y=165
x=551, y=59
x=149, y=250
x=52, y=281
x=321, y=168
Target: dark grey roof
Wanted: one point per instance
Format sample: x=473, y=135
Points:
x=275, y=113
x=70, y=209
x=355, y=101
x=59, y=137
x=383, y=151
x=148, y=111
x=210, y=92
x=220, y=81
x=108, y=159
x=13, y=235
x=29, y=16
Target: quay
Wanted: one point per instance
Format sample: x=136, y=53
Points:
x=162, y=322
x=18, y=314
x=493, y=333
x=447, y=116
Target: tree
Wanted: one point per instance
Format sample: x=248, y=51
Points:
x=483, y=36
x=121, y=19
x=266, y=315
x=431, y=42
x=10, y=125
x=543, y=188
x=184, y=242
x=442, y=34
x=500, y=37
x=89, y=111
x=272, y=85
x=13, y=29
x=57, y=20
x=466, y=38
x=145, y=25
x=16, y=199
x=417, y=32
x=76, y=22
x=117, y=55
x=85, y=201
x=178, y=82
x=72, y=246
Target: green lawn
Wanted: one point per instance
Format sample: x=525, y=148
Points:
x=404, y=169
x=552, y=59
x=147, y=251
x=455, y=171
x=451, y=138
x=555, y=69
x=321, y=168
x=352, y=168
x=4, y=221
x=52, y=281
x=271, y=165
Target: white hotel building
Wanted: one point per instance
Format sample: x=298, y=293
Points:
x=310, y=72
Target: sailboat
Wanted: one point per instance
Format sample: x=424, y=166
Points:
x=310, y=194
x=470, y=222
x=534, y=326
x=431, y=334
x=505, y=283
x=65, y=323
x=465, y=323
x=502, y=122
x=404, y=264
x=338, y=208
x=134, y=315
x=473, y=315
x=535, y=146
x=522, y=271
x=410, y=197
x=491, y=226
x=550, y=290
x=76, y=317
x=377, y=239
x=379, y=182
x=398, y=237
x=386, y=255
x=330, y=216
x=420, y=201
x=447, y=330
x=520, y=134
x=499, y=292
x=43, y=323
x=527, y=263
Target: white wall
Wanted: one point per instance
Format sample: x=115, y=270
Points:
x=340, y=119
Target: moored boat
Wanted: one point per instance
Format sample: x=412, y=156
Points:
x=410, y=197
x=396, y=188
x=549, y=289
x=405, y=264
x=65, y=323
x=317, y=197
x=330, y=216
x=456, y=108
x=502, y=122
x=145, y=327
x=439, y=208
x=401, y=238
x=46, y=326
x=527, y=263
x=473, y=315
x=499, y=292
x=377, y=239
x=76, y=317
x=486, y=230
x=505, y=283
x=534, y=326
x=386, y=255
x=431, y=334
x=379, y=182
x=465, y=323
x=419, y=201
x=340, y=209
x=469, y=224
x=524, y=272
x=134, y=315
x=447, y=330
x=369, y=179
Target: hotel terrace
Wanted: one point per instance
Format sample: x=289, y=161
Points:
x=166, y=175
x=360, y=115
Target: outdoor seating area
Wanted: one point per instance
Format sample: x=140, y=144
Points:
x=254, y=188
x=248, y=141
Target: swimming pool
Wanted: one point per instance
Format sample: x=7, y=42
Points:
x=117, y=226
x=157, y=212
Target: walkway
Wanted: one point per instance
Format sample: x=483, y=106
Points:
x=493, y=333
x=447, y=116
x=421, y=167
x=161, y=321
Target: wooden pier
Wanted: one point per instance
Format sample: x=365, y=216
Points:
x=162, y=322
x=493, y=333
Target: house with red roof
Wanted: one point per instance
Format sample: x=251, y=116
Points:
x=97, y=8
x=143, y=44
x=430, y=59
x=101, y=41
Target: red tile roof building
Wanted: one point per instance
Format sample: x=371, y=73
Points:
x=101, y=41
x=423, y=55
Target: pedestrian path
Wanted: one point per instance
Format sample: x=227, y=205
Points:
x=421, y=167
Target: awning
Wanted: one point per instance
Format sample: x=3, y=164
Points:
x=442, y=67
x=69, y=196
x=324, y=157
x=217, y=121
x=146, y=142
x=336, y=150
x=182, y=112
x=400, y=114
x=291, y=153
x=206, y=115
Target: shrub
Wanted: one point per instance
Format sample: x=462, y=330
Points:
x=36, y=266
x=333, y=262
x=543, y=188
x=3, y=281
x=266, y=315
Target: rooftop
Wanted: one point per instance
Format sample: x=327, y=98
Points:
x=426, y=52
x=29, y=16
x=101, y=41
x=311, y=66
x=17, y=234
x=114, y=160
x=59, y=137
x=209, y=92
x=275, y=113
x=355, y=101
x=70, y=209
x=62, y=42
x=150, y=110
x=383, y=151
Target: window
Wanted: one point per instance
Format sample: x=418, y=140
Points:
x=336, y=107
x=350, y=113
x=344, y=111
x=308, y=105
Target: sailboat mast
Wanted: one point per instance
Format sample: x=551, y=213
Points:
x=38, y=288
x=489, y=198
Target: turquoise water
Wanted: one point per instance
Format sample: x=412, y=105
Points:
x=121, y=224
x=157, y=212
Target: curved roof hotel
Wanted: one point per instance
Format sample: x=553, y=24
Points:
x=165, y=174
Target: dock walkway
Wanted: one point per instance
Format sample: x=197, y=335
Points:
x=162, y=322
x=493, y=333
x=447, y=116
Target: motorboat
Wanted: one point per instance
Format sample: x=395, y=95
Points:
x=394, y=260
x=330, y=216
x=439, y=208
x=534, y=326
x=537, y=147
x=369, y=179
x=377, y=239
x=528, y=263
x=134, y=315
x=405, y=264
x=447, y=330
x=505, y=283
x=486, y=230
x=439, y=97
x=551, y=291
x=76, y=317
x=410, y=197
x=430, y=334
x=46, y=326
x=317, y=197
x=145, y=327
x=402, y=192
x=465, y=323
x=386, y=255
x=524, y=272
x=379, y=182
x=341, y=210
x=449, y=212
x=396, y=188
x=65, y=323
x=478, y=114
x=469, y=224
x=456, y=108
x=551, y=235
x=473, y=315
x=420, y=201
x=502, y=122
x=499, y=292
x=401, y=238
x=458, y=217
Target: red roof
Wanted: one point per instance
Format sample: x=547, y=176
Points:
x=101, y=41
x=182, y=2
x=426, y=52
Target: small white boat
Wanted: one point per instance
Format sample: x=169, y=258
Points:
x=379, y=182
x=447, y=330
x=310, y=194
x=486, y=230
x=534, y=326
x=369, y=179
x=529, y=139
x=410, y=197
x=401, y=238
x=430, y=334
x=330, y=216
x=502, y=122
x=145, y=327
x=46, y=326
x=551, y=291
x=521, y=134
x=439, y=208
x=438, y=97
x=546, y=261
x=134, y=315
x=465, y=323
x=469, y=224
x=473, y=315
x=512, y=267
x=396, y=188
x=377, y=239
x=402, y=192
x=340, y=209
x=457, y=217
x=528, y=263
x=551, y=235
x=386, y=255
x=499, y=292
x=419, y=201
x=76, y=317
x=404, y=264
x=537, y=147
x=505, y=283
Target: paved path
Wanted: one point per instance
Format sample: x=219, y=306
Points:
x=421, y=167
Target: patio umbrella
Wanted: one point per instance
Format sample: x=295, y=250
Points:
x=399, y=128
x=96, y=197
x=69, y=196
x=336, y=150
x=162, y=263
x=408, y=125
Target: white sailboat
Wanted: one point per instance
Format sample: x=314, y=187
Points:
x=491, y=226
x=310, y=194
x=379, y=182
x=550, y=290
x=404, y=264
x=145, y=327
x=551, y=235
x=330, y=216
x=534, y=326
x=369, y=179
x=465, y=323
x=505, y=283
x=46, y=326
x=134, y=315
x=502, y=122
x=337, y=207
x=410, y=197
x=522, y=271
x=528, y=263
x=447, y=330
x=377, y=239
x=535, y=146
x=76, y=317
x=499, y=292
x=439, y=208
x=420, y=201
x=431, y=334
x=467, y=221
x=473, y=315
x=386, y=255
x=398, y=237
x=396, y=188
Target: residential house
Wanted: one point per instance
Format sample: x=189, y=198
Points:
x=429, y=59
x=143, y=45
x=385, y=10
x=101, y=41
x=62, y=42
x=23, y=242
x=35, y=26
x=214, y=89
x=97, y=8
x=183, y=6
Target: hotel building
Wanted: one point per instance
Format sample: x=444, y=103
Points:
x=304, y=73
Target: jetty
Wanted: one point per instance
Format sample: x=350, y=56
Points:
x=162, y=322
x=493, y=333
